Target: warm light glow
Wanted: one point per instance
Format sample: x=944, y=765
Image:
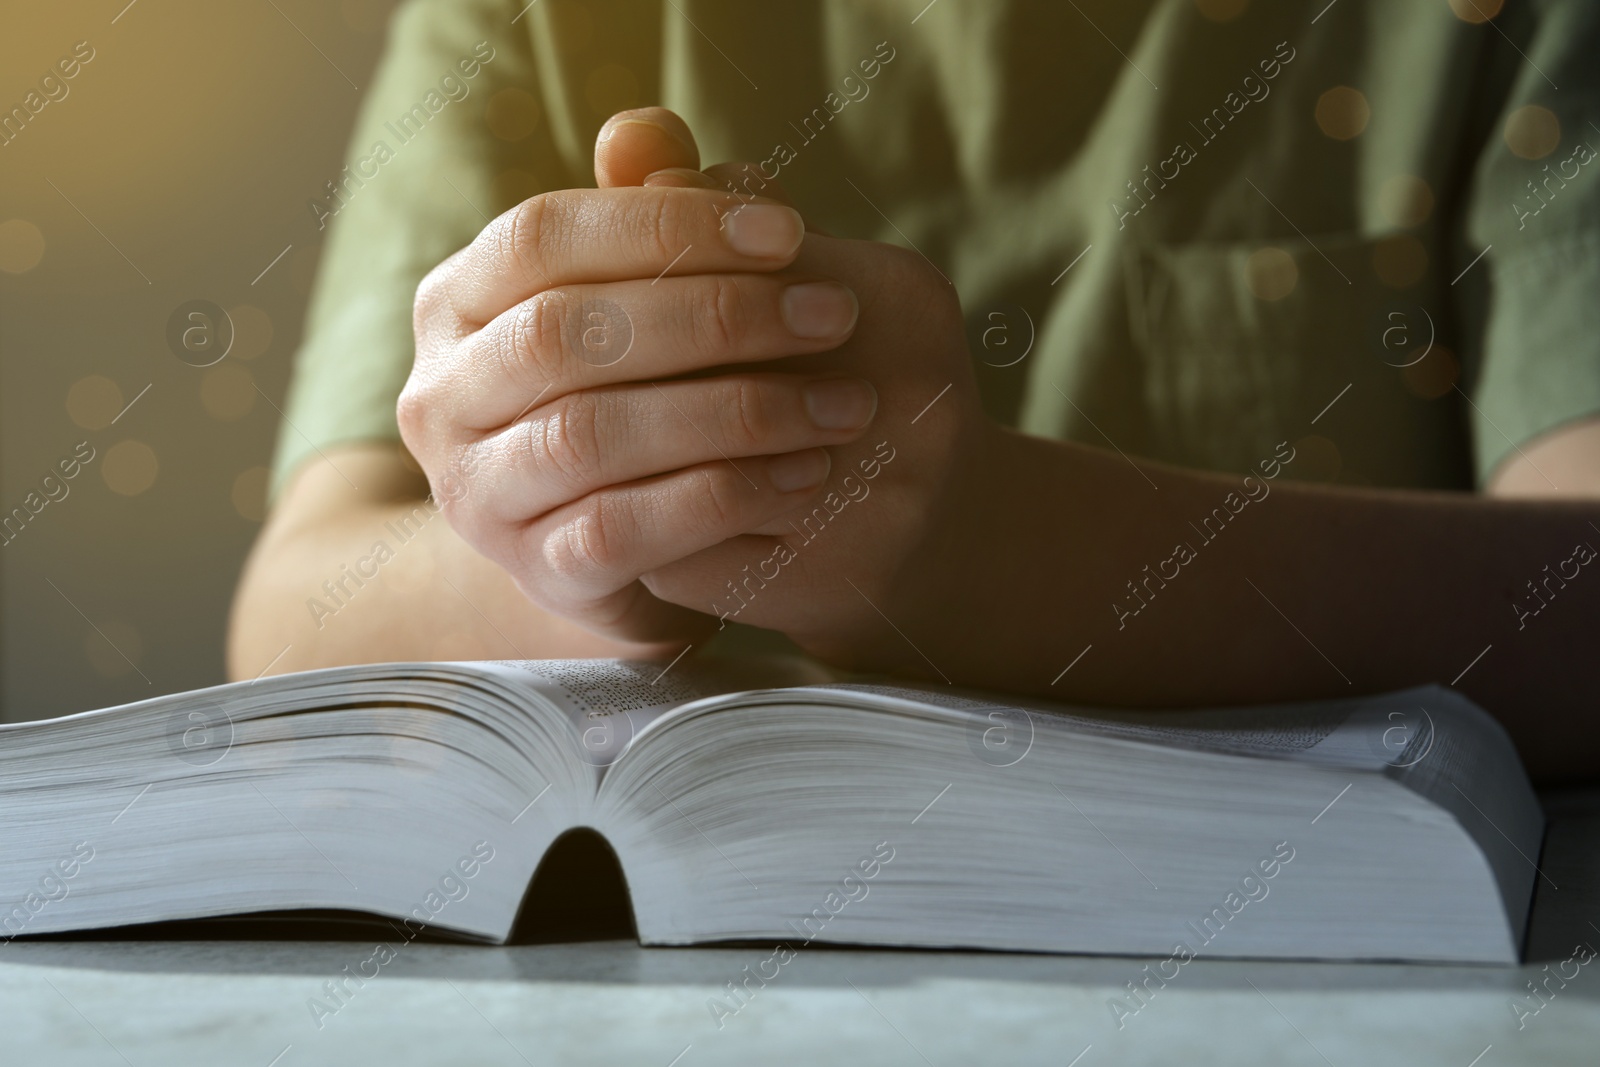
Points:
x=21, y=246
x=94, y=401
x=1434, y=375
x=1343, y=112
x=252, y=331
x=1476, y=11
x=130, y=467
x=227, y=392
x=1405, y=200
x=1532, y=132
x=1271, y=273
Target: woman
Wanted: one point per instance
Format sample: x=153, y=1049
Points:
x=1211, y=257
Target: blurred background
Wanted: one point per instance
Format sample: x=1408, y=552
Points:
x=176, y=168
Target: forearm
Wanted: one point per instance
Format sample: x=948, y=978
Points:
x=1306, y=592
x=382, y=579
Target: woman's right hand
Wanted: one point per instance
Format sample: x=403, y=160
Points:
x=548, y=404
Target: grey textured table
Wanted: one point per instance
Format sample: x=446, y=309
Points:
x=249, y=1002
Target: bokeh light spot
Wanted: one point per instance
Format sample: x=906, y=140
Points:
x=93, y=401
x=1343, y=112
x=1271, y=273
x=1476, y=11
x=252, y=331
x=21, y=246
x=1532, y=132
x=130, y=467
x=1405, y=200
x=1433, y=375
x=227, y=392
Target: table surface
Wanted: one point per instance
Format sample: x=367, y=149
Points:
x=251, y=1002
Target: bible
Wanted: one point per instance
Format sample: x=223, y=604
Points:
x=768, y=800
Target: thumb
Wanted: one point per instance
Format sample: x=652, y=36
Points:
x=633, y=144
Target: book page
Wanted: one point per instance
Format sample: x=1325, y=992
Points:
x=1258, y=731
x=1397, y=730
x=609, y=701
x=612, y=702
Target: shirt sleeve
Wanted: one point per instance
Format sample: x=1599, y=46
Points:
x=1534, y=212
x=423, y=174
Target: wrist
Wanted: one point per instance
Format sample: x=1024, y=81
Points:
x=948, y=577
x=979, y=509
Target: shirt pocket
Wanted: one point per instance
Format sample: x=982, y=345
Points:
x=1245, y=344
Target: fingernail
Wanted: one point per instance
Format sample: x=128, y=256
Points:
x=799, y=470
x=841, y=403
x=818, y=309
x=611, y=128
x=679, y=178
x=769, y=231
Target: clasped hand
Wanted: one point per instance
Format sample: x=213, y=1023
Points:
x=662, y=404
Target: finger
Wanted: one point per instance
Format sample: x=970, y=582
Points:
x=632, y=144
x=581, y=336
x=600, y=437
x=583, y=236
x=701, y=581
x=746, y=181
x=633, y=614
x=734, y=177
x=590, y=553
x=680, y=178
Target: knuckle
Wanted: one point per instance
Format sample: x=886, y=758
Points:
x=717, y=318
x=566, y=443
x=531, y=229
x=538, y=342
x=748, y=414
x=428, y=299
x=591, y=541
x=454, y=485
x=433, y=311
x=470, y=520
x=716, y=500
x=664, y=233
x=413, y=412
x=472, y=525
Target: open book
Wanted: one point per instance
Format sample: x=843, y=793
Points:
x=743, y=804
